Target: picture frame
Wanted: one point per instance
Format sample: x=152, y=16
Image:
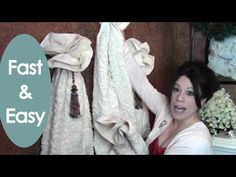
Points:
x=221, y=79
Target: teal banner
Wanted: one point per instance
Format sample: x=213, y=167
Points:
x=25, y=90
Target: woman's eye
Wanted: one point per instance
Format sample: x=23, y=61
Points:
x=190, y=93
x=175, y=89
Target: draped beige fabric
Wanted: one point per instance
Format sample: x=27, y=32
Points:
x=63, y=134
x=119, y=127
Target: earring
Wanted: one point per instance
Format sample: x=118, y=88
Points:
x=74, y=101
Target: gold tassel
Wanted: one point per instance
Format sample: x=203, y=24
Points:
x=74, y=101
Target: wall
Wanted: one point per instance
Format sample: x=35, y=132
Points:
x=201, y=54
x=169, y=43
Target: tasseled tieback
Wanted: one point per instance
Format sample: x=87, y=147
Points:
x=71, y=52
x=74, y=101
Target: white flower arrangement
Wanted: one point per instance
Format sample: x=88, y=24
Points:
x=219, y=113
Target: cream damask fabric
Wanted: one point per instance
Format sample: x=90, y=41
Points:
x=63, y=134
x=119, y=127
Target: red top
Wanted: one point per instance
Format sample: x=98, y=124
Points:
x=155, y=149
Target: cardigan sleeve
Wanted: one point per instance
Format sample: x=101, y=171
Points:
x=154, y=100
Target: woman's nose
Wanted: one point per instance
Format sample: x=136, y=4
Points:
x=180, y=96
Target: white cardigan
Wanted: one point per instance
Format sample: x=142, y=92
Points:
x=195, y=139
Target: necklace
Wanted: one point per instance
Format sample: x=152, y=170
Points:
x=74, y=101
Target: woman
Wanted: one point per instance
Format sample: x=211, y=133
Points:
x=177, y=127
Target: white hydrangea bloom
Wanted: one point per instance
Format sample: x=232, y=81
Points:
x=219, y=113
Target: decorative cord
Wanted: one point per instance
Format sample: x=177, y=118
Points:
x=74, y=101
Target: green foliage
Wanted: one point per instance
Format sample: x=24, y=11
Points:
x=219, y=31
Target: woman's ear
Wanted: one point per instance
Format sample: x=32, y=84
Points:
x=203, y=101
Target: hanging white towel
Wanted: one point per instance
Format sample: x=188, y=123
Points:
x=63, y=134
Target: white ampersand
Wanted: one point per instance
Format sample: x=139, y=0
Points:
x=24, y=94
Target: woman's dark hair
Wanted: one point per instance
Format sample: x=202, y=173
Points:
x=202, y=78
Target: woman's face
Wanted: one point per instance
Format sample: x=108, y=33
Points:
x=183, y=104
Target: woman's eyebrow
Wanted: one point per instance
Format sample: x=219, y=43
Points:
x=190, y=88
x=177, y=84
